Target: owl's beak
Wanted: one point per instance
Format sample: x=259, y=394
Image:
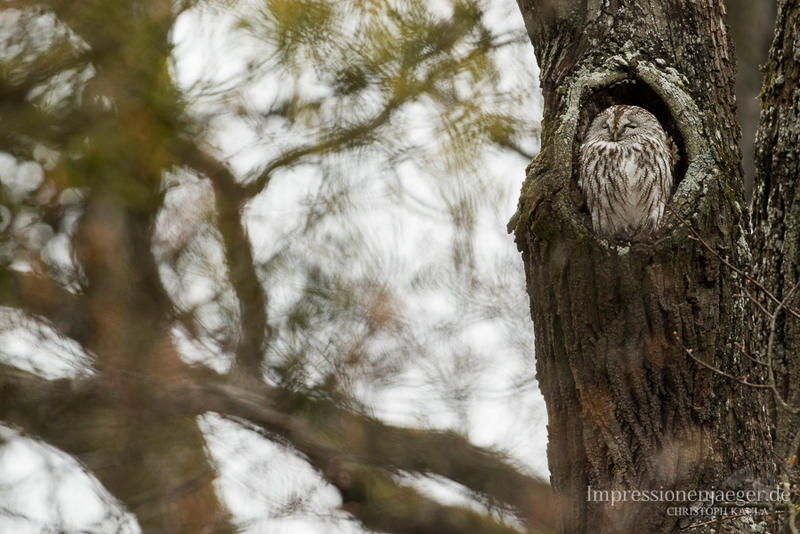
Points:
x=615, y=134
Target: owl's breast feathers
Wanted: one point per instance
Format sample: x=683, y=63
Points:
x=626, y=184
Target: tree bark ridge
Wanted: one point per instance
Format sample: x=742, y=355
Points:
x=776, y=217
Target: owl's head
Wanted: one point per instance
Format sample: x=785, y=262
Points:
x=620, y=124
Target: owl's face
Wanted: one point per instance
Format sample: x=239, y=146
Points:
x=623, y=124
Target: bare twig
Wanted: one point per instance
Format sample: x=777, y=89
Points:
x=752, y=299
x=772, y=326
x=780, y=305
x=717, y=370
x=718, y=520
x=724, y=259
x=754, y=360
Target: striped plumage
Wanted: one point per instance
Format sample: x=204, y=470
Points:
x=626, y=164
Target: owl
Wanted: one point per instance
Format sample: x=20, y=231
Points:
x=626, y=166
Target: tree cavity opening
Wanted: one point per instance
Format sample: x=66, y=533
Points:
x=633, y=92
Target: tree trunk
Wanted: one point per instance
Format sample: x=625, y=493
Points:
x=776, y=220
x=618, y=325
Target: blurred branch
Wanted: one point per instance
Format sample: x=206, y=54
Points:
x=35, y=403
x=54, y=63
x=38, y=295
x=452, y=456
x=356, y=454
x=338, y=438
x=517, y=148
x=143, y=453
x=230, y=196
x=340, y=139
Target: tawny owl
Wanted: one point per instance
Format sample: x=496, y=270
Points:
x=626, y=166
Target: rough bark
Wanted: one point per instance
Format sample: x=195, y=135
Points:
x=776, y=219
x=628, y=407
